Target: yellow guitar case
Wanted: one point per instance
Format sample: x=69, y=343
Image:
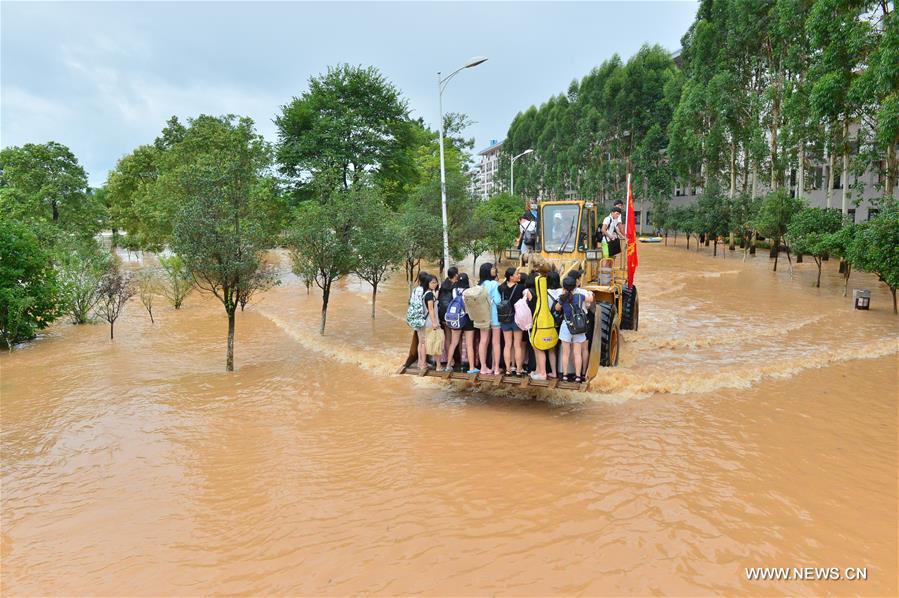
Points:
x=543, y=332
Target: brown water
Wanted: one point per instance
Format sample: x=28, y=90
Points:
x=753, y=422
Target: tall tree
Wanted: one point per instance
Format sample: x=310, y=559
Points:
x=351, y=121
x=224, y=223
x=45, y=183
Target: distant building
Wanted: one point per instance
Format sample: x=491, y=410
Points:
x=485, y=182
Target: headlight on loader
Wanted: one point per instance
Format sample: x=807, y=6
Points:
x=594, y=254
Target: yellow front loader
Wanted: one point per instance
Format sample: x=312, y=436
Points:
x=566, y=241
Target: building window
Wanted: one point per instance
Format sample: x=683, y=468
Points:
x=851, y=214
x=636, y=217
x=837, y=179
x=817, y=177
x=648, y=218
x=872, y=213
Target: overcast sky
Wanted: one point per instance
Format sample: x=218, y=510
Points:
x=103, y=78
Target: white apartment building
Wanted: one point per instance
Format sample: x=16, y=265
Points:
x=485, y=182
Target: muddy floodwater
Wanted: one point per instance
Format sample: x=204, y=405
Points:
x=752, y=423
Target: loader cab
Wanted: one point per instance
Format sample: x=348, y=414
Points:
x=567, y=228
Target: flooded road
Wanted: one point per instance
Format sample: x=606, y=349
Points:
x=752, y=423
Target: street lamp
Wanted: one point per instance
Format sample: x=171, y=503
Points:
x=512, y=182
x=441, y=85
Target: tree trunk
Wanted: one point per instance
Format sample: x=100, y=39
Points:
x=152, y=321
x=229, y=359
x=374, y=298
x=752, y=242
x=845, y=173
x=55, y=207
x=893, y=291
x=715, y=248
x=818, y=261
x=688, y=242
x=800, y=176
x=732, y=244
x=775, y=249
x=111, y=325
x=891, y=174
x=846, y=279
x=829, y=194
x=733, y=170
x=326, y=294
x=775, y=128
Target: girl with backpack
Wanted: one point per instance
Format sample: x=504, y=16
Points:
x=510, y=292
x=433, y=322
x=459, y=324
x=572, y=332
x=489, y=336
x=416, y=316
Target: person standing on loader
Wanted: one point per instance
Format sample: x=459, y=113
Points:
x=612, y=231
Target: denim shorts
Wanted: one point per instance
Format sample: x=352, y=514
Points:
x=509, y=327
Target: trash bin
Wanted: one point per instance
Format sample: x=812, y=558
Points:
x=861, y=298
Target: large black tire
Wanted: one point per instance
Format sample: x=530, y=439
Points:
x=630, y=308
x=609, y=337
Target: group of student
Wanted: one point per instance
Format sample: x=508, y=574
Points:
x=511, y=328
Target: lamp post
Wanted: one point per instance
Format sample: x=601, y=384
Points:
x=512, y=182
x=441, y=85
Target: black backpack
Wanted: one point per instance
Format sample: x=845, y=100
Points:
x=577, y=320
x=505, y=311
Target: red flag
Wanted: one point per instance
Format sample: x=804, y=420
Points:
x=631, y=234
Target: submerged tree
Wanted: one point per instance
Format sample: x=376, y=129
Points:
x=775, y=213
x=178, y=282
x=149, y=285
x=223, y=225
x=116, y=288
x=377, y=241
x=81, y=267
x=875, y=248
x=319, y=241
x=809, y=232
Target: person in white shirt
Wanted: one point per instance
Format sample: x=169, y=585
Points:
x=527, y=233
x=612, y=231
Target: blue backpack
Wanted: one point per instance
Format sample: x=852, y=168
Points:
x=456, y=318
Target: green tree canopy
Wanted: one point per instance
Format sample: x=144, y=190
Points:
x=45, y=183
x=29, y=291
x=875, y=247
x=809, y=232
x=223, y=223
x=351, y=121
